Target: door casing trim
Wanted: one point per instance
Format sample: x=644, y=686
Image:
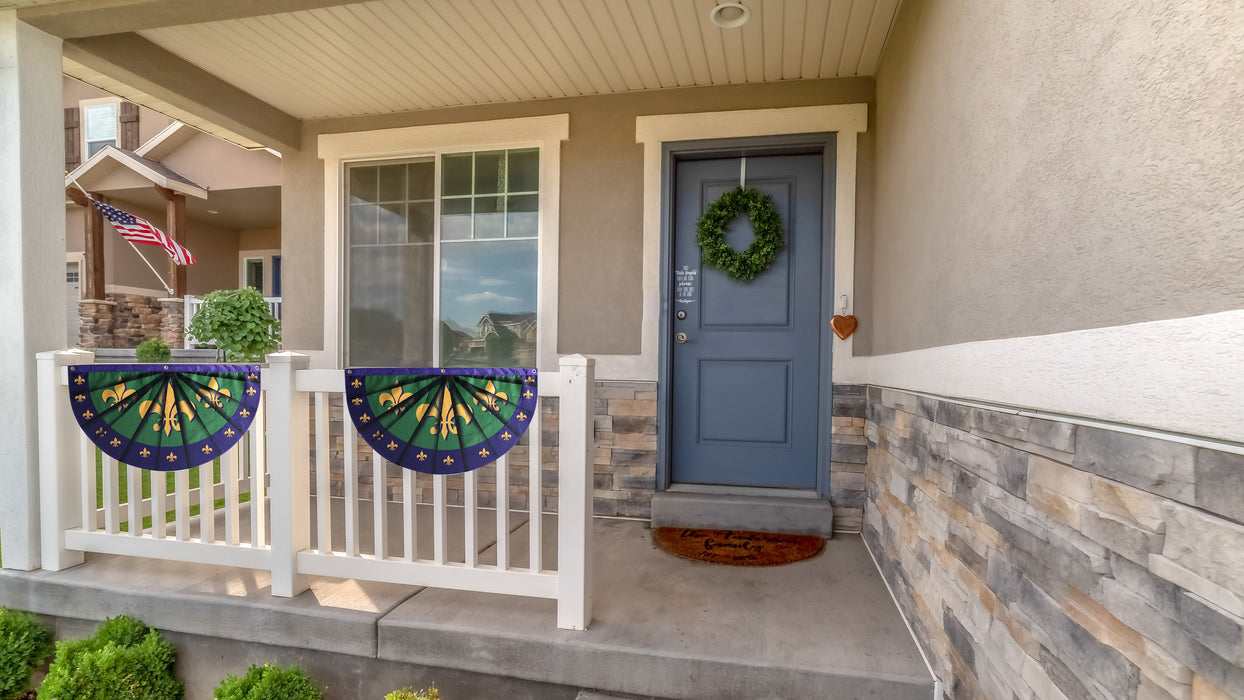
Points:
x=823, y=143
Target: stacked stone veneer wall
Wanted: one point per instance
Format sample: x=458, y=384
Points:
x=624, y=467
x=1043, y=559
x=125, y=320
x=848, y=450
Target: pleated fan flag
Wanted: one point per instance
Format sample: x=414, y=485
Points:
x=441, y=420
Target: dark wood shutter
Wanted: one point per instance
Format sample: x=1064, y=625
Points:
x=128, y=117
x=73, y=138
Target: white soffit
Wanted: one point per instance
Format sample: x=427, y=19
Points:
x=398, y=55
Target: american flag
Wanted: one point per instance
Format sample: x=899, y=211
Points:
x=138, y=230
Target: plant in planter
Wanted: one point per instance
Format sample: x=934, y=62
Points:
x=24, y=644
x=153, y=350
x=412, y=694
x=269, y=682
x=125, y=660
x=239, y=322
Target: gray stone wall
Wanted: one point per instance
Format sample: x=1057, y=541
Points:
x=848, y=453
x=1043, y=559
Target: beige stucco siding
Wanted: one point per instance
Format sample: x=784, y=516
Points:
x=600, y=271
x=1045, y=167
x=150, y=122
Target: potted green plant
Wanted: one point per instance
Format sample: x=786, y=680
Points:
x=240, y=324
x=153, y=350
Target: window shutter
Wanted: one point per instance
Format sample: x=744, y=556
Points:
x=128, y=116
x=73, y=138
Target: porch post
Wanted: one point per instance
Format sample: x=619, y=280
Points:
x=60, y=458
x=576, y=443
x=32, y=236
x=289, y=447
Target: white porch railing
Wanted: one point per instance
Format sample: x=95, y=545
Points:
x=273, y=531
x=193, y=304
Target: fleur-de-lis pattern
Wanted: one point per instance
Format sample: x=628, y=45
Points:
x=164, y=417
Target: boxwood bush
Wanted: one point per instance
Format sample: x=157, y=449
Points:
x=153, y=350
x=125, y=660
x=269, y=682
x=412, y=694
x=24, y=644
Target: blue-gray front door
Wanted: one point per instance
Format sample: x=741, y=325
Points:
x=744, y=382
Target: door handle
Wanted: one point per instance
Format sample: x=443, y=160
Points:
x=681, y=337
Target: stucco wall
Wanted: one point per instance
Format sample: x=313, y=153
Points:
x=1046, y=167
x=600, y=269
x=259, y=239
x=150, y=122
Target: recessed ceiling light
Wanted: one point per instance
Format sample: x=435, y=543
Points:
x=729, y=15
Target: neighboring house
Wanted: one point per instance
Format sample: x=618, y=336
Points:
x=232, y=217
x=1033, y=210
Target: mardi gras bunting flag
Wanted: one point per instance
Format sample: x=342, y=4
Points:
x=441, y=421
x=167, y=417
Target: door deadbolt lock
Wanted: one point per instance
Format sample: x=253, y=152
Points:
x=681, y=314
x=681, y=337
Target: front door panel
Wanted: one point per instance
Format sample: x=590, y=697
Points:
x=744, y=386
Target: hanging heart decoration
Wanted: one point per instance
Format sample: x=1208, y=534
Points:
x=843, y=326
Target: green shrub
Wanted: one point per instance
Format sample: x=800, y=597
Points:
x=125, y=660
x=412, y=694
x=269, y=682
x=24, y=644
x=239, y=322
x=154, y=350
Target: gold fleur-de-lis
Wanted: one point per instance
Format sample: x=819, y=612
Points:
x=250, y=391
x=169, y=409
x=356, y=401
x=228, y=432
x=392, y=445
x=444, y=413
x=527, y=394
x=115, y=442
x=522, y=416
x=530, y=379
x=356, y=383
x=483, y=452
x=80, y=398
x=421, y=456
x=144, y=453
x=506, y=436
x=489, y=396
x=99, y=432
x=448, y=460
x=244, y=413
x=117, y=395
x=212, y=393
x=207, y=450
x=375, y=435
x=252, y=376
x=364, y=419
x=79, y=380
x=394, y=397
x=171, y=457
x=88, y=415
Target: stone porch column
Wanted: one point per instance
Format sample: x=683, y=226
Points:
x=96, y=320
x=32, y=234
x=173, y=322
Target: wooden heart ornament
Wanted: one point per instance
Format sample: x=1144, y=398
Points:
x=843, y=326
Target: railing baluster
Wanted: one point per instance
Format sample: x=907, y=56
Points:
x=323, y=501
x=134, y=499
x=351, y=485
x=229, y=477
x=90, y=509
x=379, y=506
x=470, y=518
x=440, y=533
x=181, y=499
x=112, y=506
x=207, y=503
x=535, y=493
x=258, y=463
x=410, y=513
x=159, y=504
x=503, y=512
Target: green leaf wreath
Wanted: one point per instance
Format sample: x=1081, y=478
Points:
x=710, y=233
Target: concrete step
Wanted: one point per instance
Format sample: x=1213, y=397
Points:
x=788, y=515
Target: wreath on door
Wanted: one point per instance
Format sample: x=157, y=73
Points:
x=710, y=233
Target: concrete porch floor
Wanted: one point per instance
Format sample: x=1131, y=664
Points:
x=662, y=626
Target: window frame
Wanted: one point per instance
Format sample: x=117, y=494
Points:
x=83, y=105
x=265, y=257
x=339, y=150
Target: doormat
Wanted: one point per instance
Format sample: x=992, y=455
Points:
x=737, y=547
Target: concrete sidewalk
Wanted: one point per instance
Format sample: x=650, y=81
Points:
x=662, y=627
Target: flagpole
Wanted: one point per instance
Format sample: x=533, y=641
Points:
x=136, y=251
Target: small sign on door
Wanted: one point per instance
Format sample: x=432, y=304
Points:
x=684, y=285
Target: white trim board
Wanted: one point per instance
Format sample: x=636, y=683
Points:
x=1182, y=375
x=848, y=121
x=544, y=132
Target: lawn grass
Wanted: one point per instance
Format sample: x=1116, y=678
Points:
x=147, y=476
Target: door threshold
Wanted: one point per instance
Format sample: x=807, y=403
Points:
x=743, y=491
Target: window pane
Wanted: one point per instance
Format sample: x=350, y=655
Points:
x=391, y=306
x=392, y=223
x=522, y=217
x=420, y=180
x=420, y=216
x=456, y=174
x=363, y=185
x=490, y=172
x=101, y=122
x=392, y=183
x=489, y=217
x=455, y=219
x=488, y=304
x=97, y=146
x=524, y=171
x=364, y=220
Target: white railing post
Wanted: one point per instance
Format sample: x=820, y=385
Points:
x=576, y=442
x=289, y=450
x=60, y=498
